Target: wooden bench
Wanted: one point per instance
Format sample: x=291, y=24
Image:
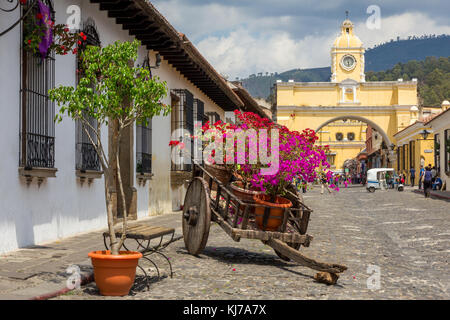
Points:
x=144, y=234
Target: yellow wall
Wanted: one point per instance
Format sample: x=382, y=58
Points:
x=330, y=94
x=420, y=146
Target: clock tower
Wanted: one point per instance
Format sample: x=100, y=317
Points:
x=347, y=56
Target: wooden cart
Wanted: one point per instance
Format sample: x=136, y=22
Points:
x=203, y=206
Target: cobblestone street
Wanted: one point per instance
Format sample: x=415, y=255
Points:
x=403, y=234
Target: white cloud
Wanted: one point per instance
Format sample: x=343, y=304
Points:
x=241, y=53
x=239, y=42
x=403, y=25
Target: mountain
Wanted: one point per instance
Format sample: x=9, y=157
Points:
x=381, y=57
x=433, y=75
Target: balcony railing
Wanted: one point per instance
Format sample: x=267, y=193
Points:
x=87, y=157
x=144, y=163
x=40, y=151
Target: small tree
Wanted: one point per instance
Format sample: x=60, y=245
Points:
x=115, y=93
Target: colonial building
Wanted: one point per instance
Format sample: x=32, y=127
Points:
x=387, y=106
x=418, y=144
x=52, y=184
x=440, y=124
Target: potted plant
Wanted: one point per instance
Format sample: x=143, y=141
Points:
x=115, y=93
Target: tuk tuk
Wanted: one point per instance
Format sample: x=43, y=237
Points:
x=376, y=179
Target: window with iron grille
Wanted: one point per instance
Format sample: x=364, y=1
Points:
x=37, y=112
x=183, y=118
x=144, y=147
x=201, y=118
x=86, y=156
x=447, y=150
x=437, y=151
x=213, y=117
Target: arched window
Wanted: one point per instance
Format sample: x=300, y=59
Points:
x=86, y=155
x=37, y=112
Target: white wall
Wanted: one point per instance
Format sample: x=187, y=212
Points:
x=165, y=197
x=439, y=126
x=61, y=207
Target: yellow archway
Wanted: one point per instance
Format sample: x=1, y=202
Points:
x=362, y=119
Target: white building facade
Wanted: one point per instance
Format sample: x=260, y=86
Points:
x=51, y=185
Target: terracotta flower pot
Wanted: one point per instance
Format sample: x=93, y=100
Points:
x=114, y=274
x=237, y=187
x=276, y=211
x=219, y=171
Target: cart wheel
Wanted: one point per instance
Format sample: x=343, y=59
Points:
x=296, y=246
x=196, y=216
x=371, y=189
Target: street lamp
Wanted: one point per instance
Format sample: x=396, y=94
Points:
x=425, y=134
x=146, y=63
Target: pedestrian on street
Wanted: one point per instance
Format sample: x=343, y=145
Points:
x=427, y=181
x=437, y=184
x=412, y=173
x=324, y=183
x=433, y=174
x=402, y=179
x=421, y=174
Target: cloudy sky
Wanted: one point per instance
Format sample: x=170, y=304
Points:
x=241, y=37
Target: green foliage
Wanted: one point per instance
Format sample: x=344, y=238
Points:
x=109, y=83
x=433, y=75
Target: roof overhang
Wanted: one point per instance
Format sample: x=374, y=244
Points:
x=146, y=24
x=250, y=104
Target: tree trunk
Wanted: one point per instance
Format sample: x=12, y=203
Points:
x=109, y=189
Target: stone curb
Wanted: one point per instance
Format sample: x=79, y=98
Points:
x=85, y=279
x=432, y=194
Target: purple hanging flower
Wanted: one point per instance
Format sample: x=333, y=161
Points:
x=47, y=38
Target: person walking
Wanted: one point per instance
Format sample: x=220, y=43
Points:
x=412, y=173
x=427, y=182
x=324, y=183
x=421, y=174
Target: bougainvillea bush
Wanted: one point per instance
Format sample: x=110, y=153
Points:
x=299, y=157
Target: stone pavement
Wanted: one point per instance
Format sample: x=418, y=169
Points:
x=39, y=270
x=445, y=195
x=398, y=238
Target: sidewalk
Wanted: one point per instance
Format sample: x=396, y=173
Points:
x=40, y=270
x=444, y=195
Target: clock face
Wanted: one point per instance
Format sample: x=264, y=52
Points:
x=348, y=62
